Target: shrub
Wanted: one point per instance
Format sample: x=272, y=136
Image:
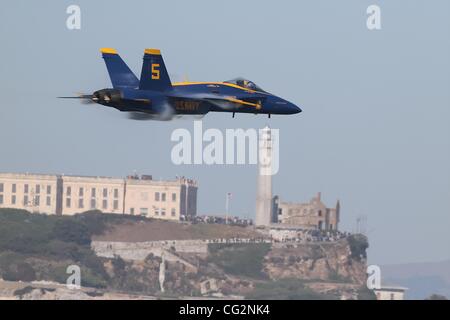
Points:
x=21, y=271
x=92, y=279
x=240, y=259
x=69, y=230
x=358, y=246
x=23, y=291
x=336, y=277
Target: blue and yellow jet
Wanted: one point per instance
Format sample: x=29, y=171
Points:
x=155, y=96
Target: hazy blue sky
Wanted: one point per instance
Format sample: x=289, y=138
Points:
x=374, y=133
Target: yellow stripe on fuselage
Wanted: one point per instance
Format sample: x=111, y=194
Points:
x=215, y=83
x=257, y=106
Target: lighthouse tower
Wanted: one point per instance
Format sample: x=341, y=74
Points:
x=264, y=180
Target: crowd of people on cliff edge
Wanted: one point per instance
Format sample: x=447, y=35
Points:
x=276, y=235
x=233, y=221
x=297, y=236
x=307, y=235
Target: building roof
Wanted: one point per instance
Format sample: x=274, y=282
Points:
x=144, y=179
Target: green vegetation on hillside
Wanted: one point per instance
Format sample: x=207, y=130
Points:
x=243, y=259
x=40, y=247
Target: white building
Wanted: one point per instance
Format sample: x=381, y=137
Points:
x=68, y=195
x=33, y=192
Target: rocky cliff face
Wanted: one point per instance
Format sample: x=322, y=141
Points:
x=332, y=269
x=321, y=261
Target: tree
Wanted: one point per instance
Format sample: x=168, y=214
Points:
x=72, y=231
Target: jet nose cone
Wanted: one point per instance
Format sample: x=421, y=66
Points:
x=295, y=109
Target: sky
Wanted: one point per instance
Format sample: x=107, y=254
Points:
x=374, y=131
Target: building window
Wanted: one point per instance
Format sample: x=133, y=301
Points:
x=37, y=200
x=116, y=193
x=144, y=211
x=173, y=212
x=49, y=189
x=163, y=196
x=116, y=204
x=1, y=187
x=81, y=192
x=132, y=211
x=25, y=188
x=174, y=197
x=93, y=192
x=105, y=204
x=67, y=202
x=156, y=196
x=320, y=213
x=38, y=189
x=156, y=212
x=69, y=191
x=105, y=193
x=163, y=211
x=80, y=203
x=25, y=200
x=13, y=199
x=93, y=204
x=1, y=199
x=14, y=188
x=49, y=201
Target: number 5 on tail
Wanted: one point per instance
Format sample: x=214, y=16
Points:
x=155, y=71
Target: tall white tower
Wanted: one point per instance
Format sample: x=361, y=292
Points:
x=264, y=188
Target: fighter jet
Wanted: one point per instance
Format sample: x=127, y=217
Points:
x=154, y=96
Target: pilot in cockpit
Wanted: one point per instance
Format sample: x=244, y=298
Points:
x=246, y=84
